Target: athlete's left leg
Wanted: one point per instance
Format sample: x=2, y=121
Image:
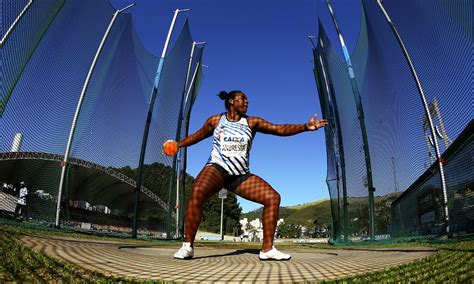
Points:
x=256, y=189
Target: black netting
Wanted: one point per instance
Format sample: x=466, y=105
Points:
x=23, y=23
x=438, y=37
x=42, y=103
x=101, y=169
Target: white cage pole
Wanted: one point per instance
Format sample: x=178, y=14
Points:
x=427, y=112
x=151, y=104
x=4, y=38
x=181, y=118
x=78, y=109
x=361, y=118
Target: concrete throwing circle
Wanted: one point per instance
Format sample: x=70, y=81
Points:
x=220, y=264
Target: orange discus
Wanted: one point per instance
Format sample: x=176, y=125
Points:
x=170, y=147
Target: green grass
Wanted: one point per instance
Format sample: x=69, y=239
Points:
x=21, y=264
x=454, y=262
x=444, y=266
x=305, y=205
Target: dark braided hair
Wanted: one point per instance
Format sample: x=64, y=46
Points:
x=223, y=95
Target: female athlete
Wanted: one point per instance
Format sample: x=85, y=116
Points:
x=228, y=167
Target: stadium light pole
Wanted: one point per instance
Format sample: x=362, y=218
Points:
x=360, y=114
x=177, y=160
x=340, y=146
x=222, y=196
x=427, y=112
x=151, y=104
x=65, y=160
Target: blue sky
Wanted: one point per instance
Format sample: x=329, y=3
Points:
x=261, y=48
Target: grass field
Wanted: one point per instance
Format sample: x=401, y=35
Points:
x=21, y=264
x=453, y=262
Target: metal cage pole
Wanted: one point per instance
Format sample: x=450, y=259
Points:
x=187, y=88
x=360, y=113
x=64, y=163
x=186, y=118
x=13, y=25
x=8, y=92
x=340, y=145
x=151, y=104
x=181, y=172
x=177, y=160
x=427, y=112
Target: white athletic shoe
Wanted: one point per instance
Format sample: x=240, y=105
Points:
x=185, y=252
x=273, y=254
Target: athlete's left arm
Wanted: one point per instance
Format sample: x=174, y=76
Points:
x=263, y=126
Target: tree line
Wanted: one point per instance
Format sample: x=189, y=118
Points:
x=160, y=179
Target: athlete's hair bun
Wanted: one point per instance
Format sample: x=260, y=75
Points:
x=223, y=95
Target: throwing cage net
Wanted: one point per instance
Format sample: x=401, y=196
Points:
x=46, y=60
x=409, y=198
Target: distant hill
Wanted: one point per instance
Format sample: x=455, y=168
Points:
x=304, y=205
x=318, y=212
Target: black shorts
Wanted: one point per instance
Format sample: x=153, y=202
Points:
x=231, y=182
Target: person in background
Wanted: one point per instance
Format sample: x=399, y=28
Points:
x=21, y=203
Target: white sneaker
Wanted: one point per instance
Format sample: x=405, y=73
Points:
x=185, y=252
x=273, y=254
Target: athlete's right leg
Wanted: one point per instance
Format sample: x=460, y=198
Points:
x=208, y=182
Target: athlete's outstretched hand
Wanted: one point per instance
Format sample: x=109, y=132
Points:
x=315, y=124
